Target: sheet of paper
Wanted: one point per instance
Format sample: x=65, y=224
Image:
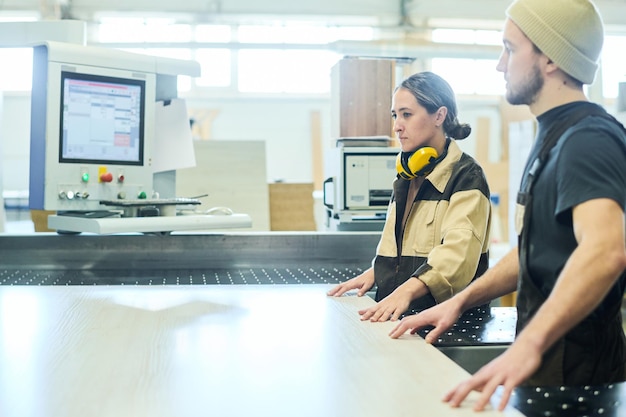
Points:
x=173, y=145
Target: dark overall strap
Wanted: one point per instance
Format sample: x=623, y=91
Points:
x=524, y=197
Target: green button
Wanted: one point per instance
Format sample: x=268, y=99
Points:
x=141, y=195
x=86, y=177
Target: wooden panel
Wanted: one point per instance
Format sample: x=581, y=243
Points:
x=316, y=150
x=361, y=92
x=40, y=220
x=497, y=173
x=291, y=207
x=76, y=351
x=234, y=175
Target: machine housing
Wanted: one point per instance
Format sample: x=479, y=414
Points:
x=358, y=186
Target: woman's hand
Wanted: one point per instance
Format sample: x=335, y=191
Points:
x=363, y=283
x=396, y=303
x=389, y=308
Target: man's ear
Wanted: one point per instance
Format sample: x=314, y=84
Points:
x=550, y=65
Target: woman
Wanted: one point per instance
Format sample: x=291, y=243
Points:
x=436, y=236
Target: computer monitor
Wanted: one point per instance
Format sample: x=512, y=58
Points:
x=102, y=119
x=92, y=127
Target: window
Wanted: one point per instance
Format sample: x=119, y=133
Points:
x=285, y=71
x=18, y=75
x=466, y=75
x=212, y=33
x=470, y=76
x=299, y=64
x=467, y=36
x=300, y=33
x=184, y=82
x=215, y=67
x=613, y=68
x=134, y=30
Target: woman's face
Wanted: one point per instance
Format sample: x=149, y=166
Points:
x=413, y=126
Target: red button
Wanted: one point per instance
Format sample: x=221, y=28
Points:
x=106, y=177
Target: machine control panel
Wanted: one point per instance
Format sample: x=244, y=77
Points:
x=98, y=184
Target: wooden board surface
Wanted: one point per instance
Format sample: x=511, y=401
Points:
x=218, y=351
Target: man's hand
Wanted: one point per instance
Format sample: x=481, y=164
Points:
x=441, y=316
x=513, y=367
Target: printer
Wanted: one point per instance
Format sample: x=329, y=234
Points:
x=358, y=186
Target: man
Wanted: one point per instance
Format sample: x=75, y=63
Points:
x=569, y=265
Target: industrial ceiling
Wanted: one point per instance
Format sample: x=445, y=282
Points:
x=384, y=13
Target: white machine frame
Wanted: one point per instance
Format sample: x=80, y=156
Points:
x=358, y=186
x=58, y=185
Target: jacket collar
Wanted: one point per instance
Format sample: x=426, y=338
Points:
x=440, y=176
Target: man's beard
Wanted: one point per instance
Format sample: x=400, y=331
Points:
x=527, y=90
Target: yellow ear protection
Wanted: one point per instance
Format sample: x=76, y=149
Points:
x=418, y=163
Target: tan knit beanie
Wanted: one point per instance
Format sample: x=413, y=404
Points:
x=569, y=32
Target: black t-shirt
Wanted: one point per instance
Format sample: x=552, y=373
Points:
x=588, y=162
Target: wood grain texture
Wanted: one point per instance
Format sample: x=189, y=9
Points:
x=361, y=91
x=218, y=351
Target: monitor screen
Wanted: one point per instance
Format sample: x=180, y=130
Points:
x=102, y=119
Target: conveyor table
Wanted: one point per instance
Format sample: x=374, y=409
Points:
x=72, y=307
